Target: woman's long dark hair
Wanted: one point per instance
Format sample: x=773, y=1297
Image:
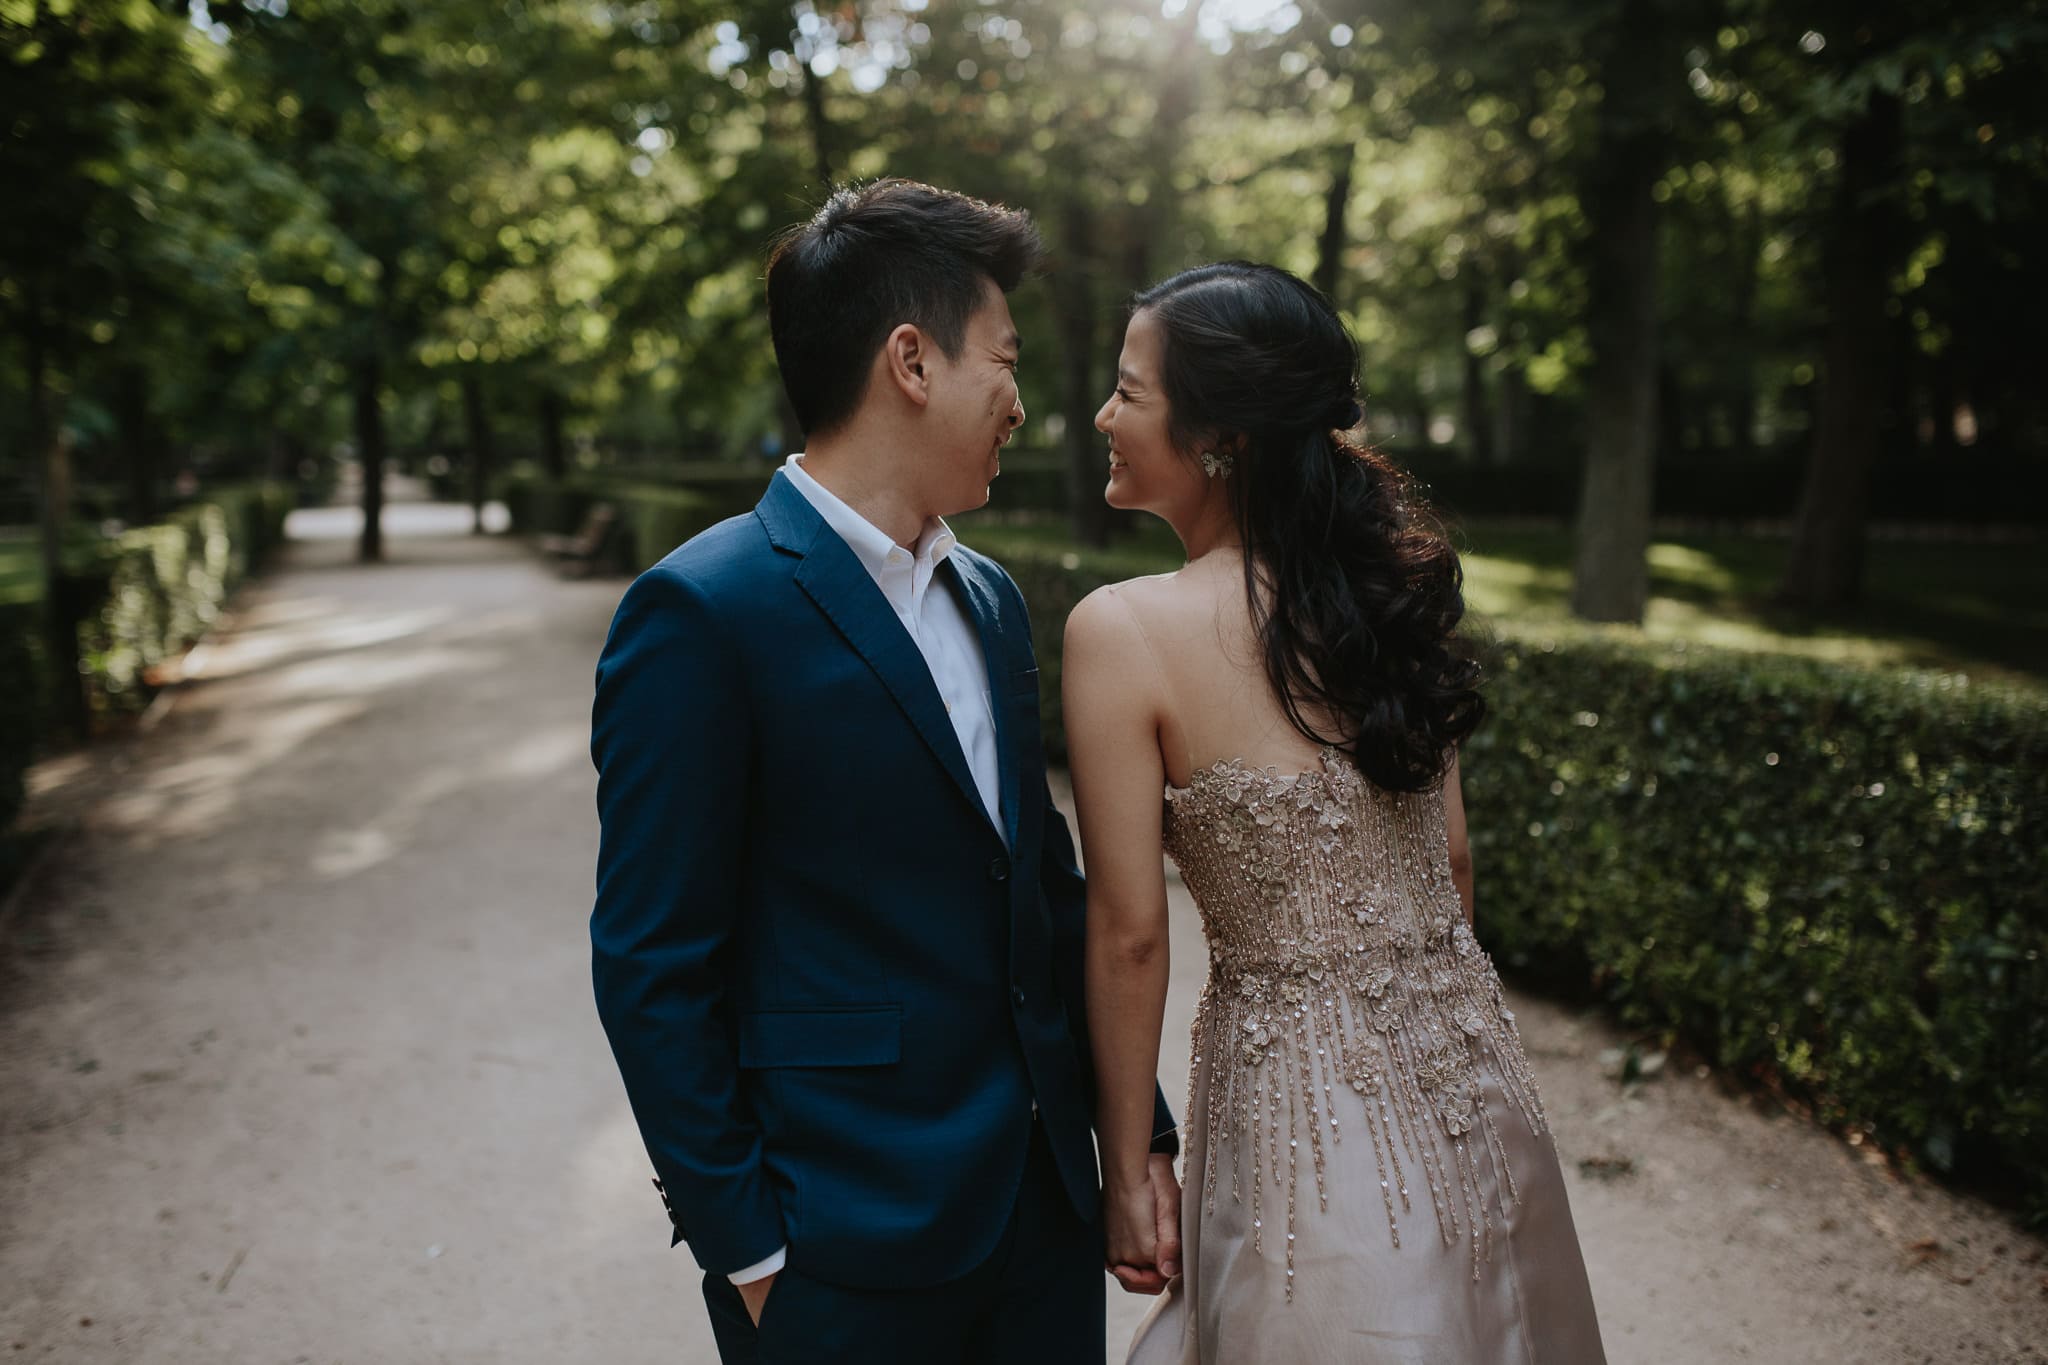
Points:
x=1355, y=592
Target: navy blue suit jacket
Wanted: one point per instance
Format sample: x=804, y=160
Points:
x=833, y=986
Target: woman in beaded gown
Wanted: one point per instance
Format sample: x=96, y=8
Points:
x=1369, y=1174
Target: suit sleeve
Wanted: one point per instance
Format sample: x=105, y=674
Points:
x=1066, y=897
x=670, y=735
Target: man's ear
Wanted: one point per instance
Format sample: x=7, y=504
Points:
x=905, y=356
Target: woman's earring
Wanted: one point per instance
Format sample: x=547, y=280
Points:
x=1215, y=465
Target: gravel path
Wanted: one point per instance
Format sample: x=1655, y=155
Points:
x=298, y=1061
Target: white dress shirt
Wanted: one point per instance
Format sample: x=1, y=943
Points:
x=944, y=635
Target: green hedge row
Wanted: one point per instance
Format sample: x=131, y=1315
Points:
x=24, y=713
x=149, y=593
x=1033, y=482
x=1826, y=879
x=165, y=584
x=653, y=518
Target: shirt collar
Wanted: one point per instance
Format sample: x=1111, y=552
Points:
x=870, y=544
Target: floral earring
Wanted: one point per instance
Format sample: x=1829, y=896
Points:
x=1215, y=465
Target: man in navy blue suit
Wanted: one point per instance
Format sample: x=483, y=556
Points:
x=838, y=930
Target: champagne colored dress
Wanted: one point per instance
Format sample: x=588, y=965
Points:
x=1369, y=1176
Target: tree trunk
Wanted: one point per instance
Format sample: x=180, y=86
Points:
x=1511, y=417
x=1477, y=421
x=1420, y=417
x=1943, y=398
x=819, y=125
x=369, y=415
x=1825, y=570
x=60, y=620
x=482, y=455
x=1610, y=569
x=1749, y=245
x=1073, y=300
x=554, y=451
x=1330, y=250
x=138, y=442
x=1671, y=412
x=278, y=457
x=1152, y=223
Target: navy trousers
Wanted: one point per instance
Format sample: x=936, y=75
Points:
x=1037, y=1300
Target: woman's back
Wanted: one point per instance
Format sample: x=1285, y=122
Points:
x=1217, y=704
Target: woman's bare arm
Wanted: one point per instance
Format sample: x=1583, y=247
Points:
x=1109, y=688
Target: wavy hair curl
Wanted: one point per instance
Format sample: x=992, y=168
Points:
x=1355, y=590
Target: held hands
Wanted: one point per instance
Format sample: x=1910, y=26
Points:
x=1142, y=1228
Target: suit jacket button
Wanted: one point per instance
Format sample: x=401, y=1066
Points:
x=1017, y=994
x=999, y=870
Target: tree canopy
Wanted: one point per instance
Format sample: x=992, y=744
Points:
x=1592, y=238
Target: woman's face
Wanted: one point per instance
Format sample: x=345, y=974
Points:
x=1146, y=472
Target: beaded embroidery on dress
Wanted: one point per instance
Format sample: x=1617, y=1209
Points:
x=1353, y=1049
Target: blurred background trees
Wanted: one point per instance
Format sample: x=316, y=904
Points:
x=1723, y=258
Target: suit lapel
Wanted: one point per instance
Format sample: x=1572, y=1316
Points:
x=980, y=602
x=834, y=578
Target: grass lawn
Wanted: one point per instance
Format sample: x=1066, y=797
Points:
x=1978, y=608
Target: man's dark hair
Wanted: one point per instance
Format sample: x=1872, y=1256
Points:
x=873, y=258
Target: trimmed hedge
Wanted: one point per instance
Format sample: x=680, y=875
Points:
x=23, y=711
x=153, y=591
x=656, y=520
x=539, y=505
x=653, y=518
x=166, y=583
x=1826, y=879
x=664, y=507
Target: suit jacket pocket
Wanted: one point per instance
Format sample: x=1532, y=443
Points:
x=847, y=1035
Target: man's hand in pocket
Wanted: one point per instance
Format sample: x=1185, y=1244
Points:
x=754, y=1293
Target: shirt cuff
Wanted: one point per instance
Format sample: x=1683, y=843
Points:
x=761, y=1270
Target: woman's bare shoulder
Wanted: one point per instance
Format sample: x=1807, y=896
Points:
x=1171, y=604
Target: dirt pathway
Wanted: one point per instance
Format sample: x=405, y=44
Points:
x=298, y=1061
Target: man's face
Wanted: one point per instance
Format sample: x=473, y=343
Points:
x=974, y=406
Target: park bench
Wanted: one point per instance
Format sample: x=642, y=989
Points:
x=584, y=551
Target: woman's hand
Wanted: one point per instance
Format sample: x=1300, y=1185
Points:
x=1142, y=1228
x=1130, y=1228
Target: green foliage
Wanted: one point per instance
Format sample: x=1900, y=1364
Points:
x=1825, y=878
x=1829, y=878
x=662, y=508
x=542, y=506
x=23, y=706
x=149, y=593
x=656, y=520
x=653, y=518
x=166, y=582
